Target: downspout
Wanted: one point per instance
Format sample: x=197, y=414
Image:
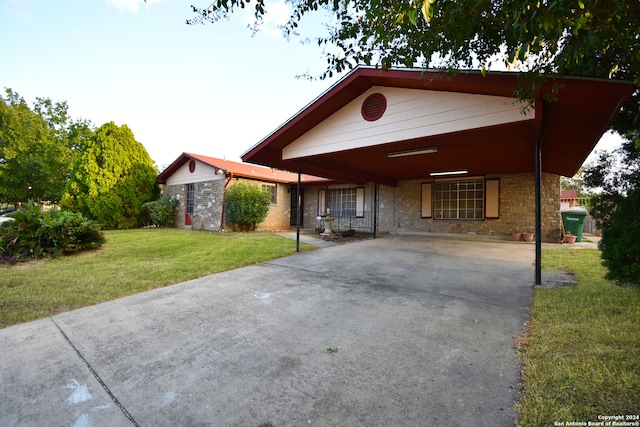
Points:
x=224, y=190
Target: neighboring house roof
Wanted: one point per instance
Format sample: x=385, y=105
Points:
x=466, y=136
x=568, y=194
x=240, y=170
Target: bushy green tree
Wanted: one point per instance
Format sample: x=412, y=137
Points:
x=112, y=179
x=616, y=208
x=246, y=205
x=620, y=243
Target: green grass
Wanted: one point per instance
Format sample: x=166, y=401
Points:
x=583, y=355
x=129, y=262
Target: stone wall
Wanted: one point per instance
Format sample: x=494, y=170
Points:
x=207, y=211
x=209, y=196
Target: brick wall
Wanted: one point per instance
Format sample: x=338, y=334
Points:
x=311, y=205
x=278, y=217
x=400, y=209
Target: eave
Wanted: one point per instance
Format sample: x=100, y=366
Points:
x=569, y=129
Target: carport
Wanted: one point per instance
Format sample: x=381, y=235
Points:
x=383, y=127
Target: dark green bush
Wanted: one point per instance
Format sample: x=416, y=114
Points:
x=162, y=212
x=245, y=205
x=620, y=243
x=36, y=234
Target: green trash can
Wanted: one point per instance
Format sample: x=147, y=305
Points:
x=573, y=220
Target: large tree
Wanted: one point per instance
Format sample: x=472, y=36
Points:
x=583, y=37
x=112, y=179
x=35, y=148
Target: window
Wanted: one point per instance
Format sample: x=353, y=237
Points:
x=274, y=193
x=190, y=189
x=345, y=202
x=459, y=200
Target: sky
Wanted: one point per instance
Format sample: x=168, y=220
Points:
x=211, y=89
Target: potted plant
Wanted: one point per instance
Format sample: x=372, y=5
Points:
x=569, y=237
x=516, y=234
x=527, y=236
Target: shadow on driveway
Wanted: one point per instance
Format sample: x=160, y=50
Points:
x=420, y=332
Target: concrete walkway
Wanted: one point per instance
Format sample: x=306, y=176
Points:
x=396, y=331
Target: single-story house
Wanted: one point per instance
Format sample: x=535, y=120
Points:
x=199, y=182
x=568, y=199
x=409, y=151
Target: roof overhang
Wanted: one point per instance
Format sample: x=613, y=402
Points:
x=482, y=144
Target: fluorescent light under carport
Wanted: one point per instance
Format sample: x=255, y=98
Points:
x=459, y=172
x=415, y=152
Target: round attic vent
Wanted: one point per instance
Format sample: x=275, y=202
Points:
x=192, y=166
x=374, y=107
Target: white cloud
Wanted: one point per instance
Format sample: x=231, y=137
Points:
x=130, y=5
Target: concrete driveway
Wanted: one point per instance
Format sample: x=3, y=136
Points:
x=420, y=332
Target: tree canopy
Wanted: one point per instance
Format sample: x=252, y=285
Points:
x=37, y=148
x=595, y=38
x=112, y=179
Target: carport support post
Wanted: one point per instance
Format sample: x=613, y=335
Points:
x=375, y=210
x=298, y=202
x=538, y=231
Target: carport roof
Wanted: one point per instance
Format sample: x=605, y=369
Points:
x=569, y=128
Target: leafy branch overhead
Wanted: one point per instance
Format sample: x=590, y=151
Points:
x=596, y=38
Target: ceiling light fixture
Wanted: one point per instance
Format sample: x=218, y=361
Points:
x=460, y=172
x=415, y=152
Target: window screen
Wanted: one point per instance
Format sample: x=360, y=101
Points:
x=459, y=200
x=273, y=190
x=342, y=202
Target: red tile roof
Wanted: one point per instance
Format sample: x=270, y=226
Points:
x=568, y=194
x=237, y=169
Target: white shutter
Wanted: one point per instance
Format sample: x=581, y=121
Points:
x=360, y=202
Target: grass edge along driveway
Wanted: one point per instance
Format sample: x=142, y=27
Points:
x=130, y=262
x=582, y=351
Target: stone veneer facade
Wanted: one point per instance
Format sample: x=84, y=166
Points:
x=207, y=208
x=209, y=199
x=400, y=209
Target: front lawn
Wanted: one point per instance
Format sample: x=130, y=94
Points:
x=129, y=262
x=583, y=355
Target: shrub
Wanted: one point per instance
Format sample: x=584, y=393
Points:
x=162, y=212
x=245, y=205
x=620, y=243
x=36, y=234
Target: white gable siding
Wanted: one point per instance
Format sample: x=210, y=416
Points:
x=202, y=173
x=410, y=113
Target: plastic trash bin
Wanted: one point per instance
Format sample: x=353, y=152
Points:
x=573, y=220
